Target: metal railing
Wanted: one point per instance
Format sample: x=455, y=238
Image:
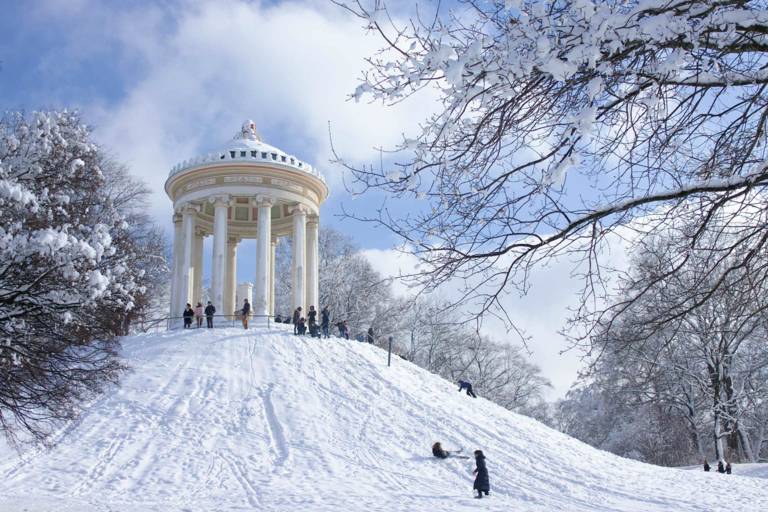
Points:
x=219, y=321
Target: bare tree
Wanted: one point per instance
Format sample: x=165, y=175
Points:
x=704, y=360
x=559, y=122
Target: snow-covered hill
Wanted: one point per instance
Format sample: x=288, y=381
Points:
x=263, y=420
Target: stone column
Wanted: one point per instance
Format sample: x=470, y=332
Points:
x=176, y=266
x=263, y=249
x=298, y=270
x=313, y=290
x=189, y=215
x=272, y=250
x=219, y=261
x=231, y=285
x=197, y=260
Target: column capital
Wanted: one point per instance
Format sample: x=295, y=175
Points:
x=233, y=240
x=298, y=209
x=200, y=232
x=190, y=208
x=262, y=200
x=273, y=240
x=176, y=217
x=219, y=201
x=313, y=220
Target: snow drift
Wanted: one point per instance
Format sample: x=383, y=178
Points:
x=263, y=420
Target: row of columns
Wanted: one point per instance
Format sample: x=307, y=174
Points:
x=186, y=284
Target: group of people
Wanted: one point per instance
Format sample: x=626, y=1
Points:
x=721, y=468
x=197, y=313
x=318, y=329
x=482, y=483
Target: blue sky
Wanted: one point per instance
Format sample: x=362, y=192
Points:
x=161, y=82
x=164, y=81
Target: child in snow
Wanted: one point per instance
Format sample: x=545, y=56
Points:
x=199, y=314
x=728, y=468
x=302, y=327
x=720, y=467
x=188, y=314
x=437, y=451
x=482, y=484
x=706, y=466
x=468, y=386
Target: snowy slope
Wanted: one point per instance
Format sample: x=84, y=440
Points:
x=228, y=420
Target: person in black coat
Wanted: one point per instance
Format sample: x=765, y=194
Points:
x=720, y=467
x=325, y=322
x=706, y=466
x=468, y=386
x=188, y=314
x=369, y=337
x=482, y=484
x=210, y=310
x=728, y=468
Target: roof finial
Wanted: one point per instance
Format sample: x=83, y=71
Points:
x=248, y=131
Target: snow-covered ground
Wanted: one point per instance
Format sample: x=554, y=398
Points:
x=262, y=420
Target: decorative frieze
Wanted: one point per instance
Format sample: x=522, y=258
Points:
x=286, y=184
x=200, y=183
x=243, y=179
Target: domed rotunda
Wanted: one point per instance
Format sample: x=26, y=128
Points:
x=247, y=189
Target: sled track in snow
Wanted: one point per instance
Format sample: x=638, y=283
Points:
x=278, y=443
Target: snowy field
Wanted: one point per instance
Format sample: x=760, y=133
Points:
x=229, y=420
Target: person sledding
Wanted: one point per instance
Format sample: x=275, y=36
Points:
x=440, y=453
x=482, y=484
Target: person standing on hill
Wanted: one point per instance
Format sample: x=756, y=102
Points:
x=482, y=483
x=312, y=321
x=210, y=310
x=369, y=337
x=325, y=322
x=706, y=466
x=720, y=467
x=728, y=468
x=246, y=313
x=468, y=386
x=199, y=314
x=296, y=317
x=187, y=315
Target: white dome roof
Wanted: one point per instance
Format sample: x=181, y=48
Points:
x=248, y=146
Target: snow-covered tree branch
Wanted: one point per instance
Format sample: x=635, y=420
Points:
x=560, y=121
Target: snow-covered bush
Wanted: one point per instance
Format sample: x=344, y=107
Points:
x=67, y=279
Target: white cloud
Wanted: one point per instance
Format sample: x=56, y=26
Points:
x=195, y=74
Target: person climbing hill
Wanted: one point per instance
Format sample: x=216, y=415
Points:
x=482, y=483
x=468, y=386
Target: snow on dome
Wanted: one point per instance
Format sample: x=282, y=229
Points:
x=247, y=145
